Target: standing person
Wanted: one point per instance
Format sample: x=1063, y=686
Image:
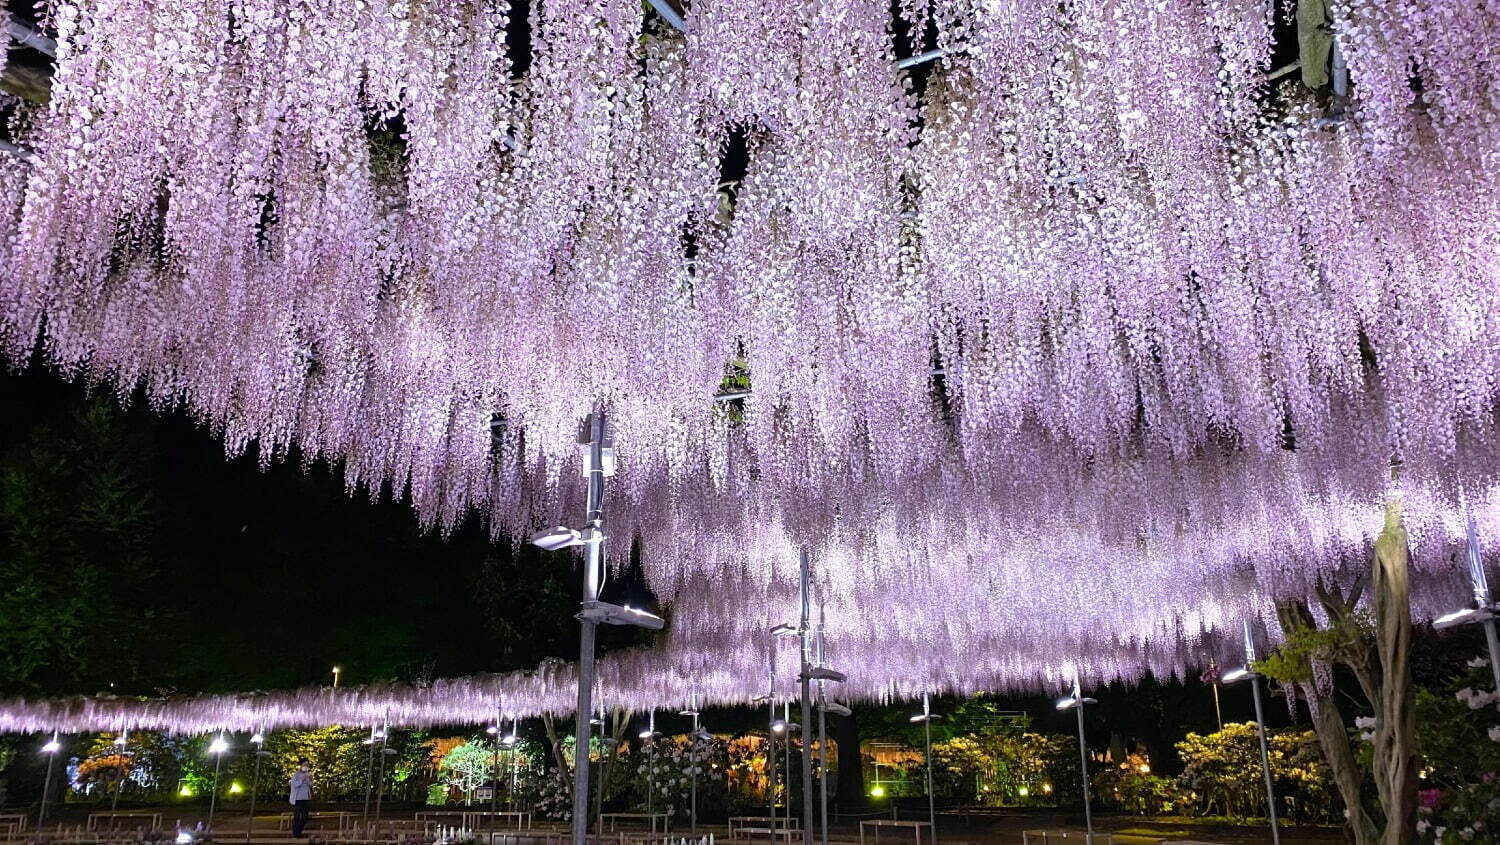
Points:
x=301, y=797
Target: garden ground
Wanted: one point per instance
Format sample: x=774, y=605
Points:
x=983, y=827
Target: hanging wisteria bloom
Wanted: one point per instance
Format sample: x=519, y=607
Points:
x=1085, y=349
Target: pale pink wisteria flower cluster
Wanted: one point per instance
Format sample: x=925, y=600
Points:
x=1184, y=323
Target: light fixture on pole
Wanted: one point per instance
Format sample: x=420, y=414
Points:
x=50, y=748
x=259, y=741
x=926, y=717
x=217, y=748
x=598, y=464
x=336, y=671
x=1234, y=677
x=1076, y=701
x=1484, y=610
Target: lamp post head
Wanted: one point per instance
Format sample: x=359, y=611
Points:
x=560, y=537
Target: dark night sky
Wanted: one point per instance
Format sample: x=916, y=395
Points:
x=266, y=579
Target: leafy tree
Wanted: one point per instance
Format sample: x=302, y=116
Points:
x=468, y=766
x=76, y=526
x=339, y=756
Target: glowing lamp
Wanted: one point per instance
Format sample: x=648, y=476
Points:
x=560, y=537
x=1236, y=676
x=877, y=791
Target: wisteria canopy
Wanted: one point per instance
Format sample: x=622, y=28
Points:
x=1070, y=361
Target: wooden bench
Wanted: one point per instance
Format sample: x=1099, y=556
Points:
x=1066, y=837
x=343, y=817
x=113, y=818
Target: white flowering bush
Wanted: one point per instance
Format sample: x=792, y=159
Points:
x=1459, y=738
x=669, y=772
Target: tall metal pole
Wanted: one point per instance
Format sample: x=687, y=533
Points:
x=692, y=755
x=385, y=735
x=786, y=749
x=494, y=776
x=803, y=629
x=605, y=752
x=1083, y=758
x=1218, y=714
x=515, y=762
x=822, y=738
x=651, y=764
x=213, y=798
x=592, y=553
x=1265, y=761
x=123, y=742
x=1260, y=725
x=260, y=752
x=369, y=778
x=771, y=737
x=927, y=735
x=51, y=749
x=1481, y=586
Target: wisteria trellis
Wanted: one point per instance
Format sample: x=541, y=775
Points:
x=1185, y=325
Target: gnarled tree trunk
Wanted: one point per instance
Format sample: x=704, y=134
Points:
x=1333, y=736
x=1395, y=758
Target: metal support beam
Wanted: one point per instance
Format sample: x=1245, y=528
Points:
x=669, y=14
x=24, y=34
x=803, y=629
x=593, y=551
x=921, y=58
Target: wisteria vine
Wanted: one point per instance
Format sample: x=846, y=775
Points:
x=1189, y=331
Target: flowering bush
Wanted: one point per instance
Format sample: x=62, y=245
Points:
x=555, y=800
x=671, y=770
x=1223, y=773
x=1130, y=786
x=1458, y=732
